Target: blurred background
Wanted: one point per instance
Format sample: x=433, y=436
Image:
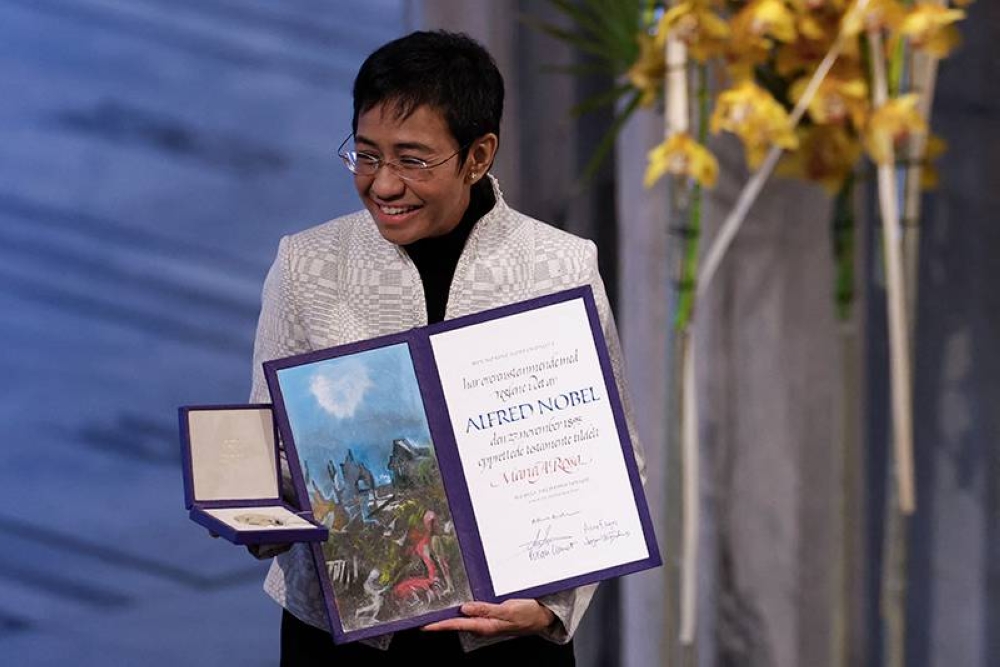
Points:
x=153, y=153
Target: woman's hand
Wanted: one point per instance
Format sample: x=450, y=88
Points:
x=265, y=551
x=513, y=617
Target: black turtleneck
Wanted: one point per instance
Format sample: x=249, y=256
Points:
x=436, y=257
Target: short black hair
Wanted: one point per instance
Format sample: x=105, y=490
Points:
x=447, y=71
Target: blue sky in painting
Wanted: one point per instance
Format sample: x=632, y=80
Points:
x=359, y=402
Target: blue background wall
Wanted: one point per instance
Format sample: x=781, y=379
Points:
x=152, y=152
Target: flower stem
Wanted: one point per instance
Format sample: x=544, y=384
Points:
x=899, y=337
x=692, y=233
x=843, y=247
x=923, y=78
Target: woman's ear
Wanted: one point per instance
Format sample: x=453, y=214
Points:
x=481, y=156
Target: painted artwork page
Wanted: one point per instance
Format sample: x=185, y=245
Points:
x=370, y=469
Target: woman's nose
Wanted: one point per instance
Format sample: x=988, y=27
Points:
x=386, y=184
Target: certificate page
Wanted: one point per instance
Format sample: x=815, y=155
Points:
x=538, y=445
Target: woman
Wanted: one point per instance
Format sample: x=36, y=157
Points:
x=435, y=240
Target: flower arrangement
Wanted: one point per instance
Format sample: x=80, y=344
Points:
x=812, y=89
x=764, y=52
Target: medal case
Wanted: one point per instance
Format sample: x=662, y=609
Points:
x=232, y=477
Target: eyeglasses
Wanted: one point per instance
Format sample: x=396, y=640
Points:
x=407, y=168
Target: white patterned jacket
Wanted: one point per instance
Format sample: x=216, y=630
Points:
x=341, y=282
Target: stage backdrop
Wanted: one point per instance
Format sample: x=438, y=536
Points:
x=154, y=151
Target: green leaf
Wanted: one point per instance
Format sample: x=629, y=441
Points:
x=599, y=100
x=583, y=69
x=624, y=21
x=608, y=141
x=581, y=42
x=584, y=16
x=606, y=30
x=843, y=232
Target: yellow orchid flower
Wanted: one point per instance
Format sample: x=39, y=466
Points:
x=797, y=57
x=648, y=70
x=819, y=5
x=681, y=155
x=701, y=29
x=890, y=125
x=931, y=28
x=929, y=177
x=815, y=37
x=759, y=120
x=836, y=101
x=849, y=66
x=934, y=148
x=766, y=18
x=755, y=29
x=811, y=27
x=826, y=155
x=878, y=15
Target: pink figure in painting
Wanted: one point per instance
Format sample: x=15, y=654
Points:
x=416, y=589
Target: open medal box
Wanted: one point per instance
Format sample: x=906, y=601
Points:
x=232, y=476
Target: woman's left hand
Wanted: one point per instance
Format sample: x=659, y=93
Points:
x=513, y=617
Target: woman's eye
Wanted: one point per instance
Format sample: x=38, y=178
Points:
x=414, y=163
x=368, y=158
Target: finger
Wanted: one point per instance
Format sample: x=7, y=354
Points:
x=483, y=609
x=476, y=625
x=439, y=626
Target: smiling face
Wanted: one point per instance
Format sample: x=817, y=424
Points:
x=404, y=210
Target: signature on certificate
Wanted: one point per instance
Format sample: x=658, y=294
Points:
x=602, y=531
x=544, y=544
x=555, y=516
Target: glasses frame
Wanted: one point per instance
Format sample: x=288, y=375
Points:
x=416, y=174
